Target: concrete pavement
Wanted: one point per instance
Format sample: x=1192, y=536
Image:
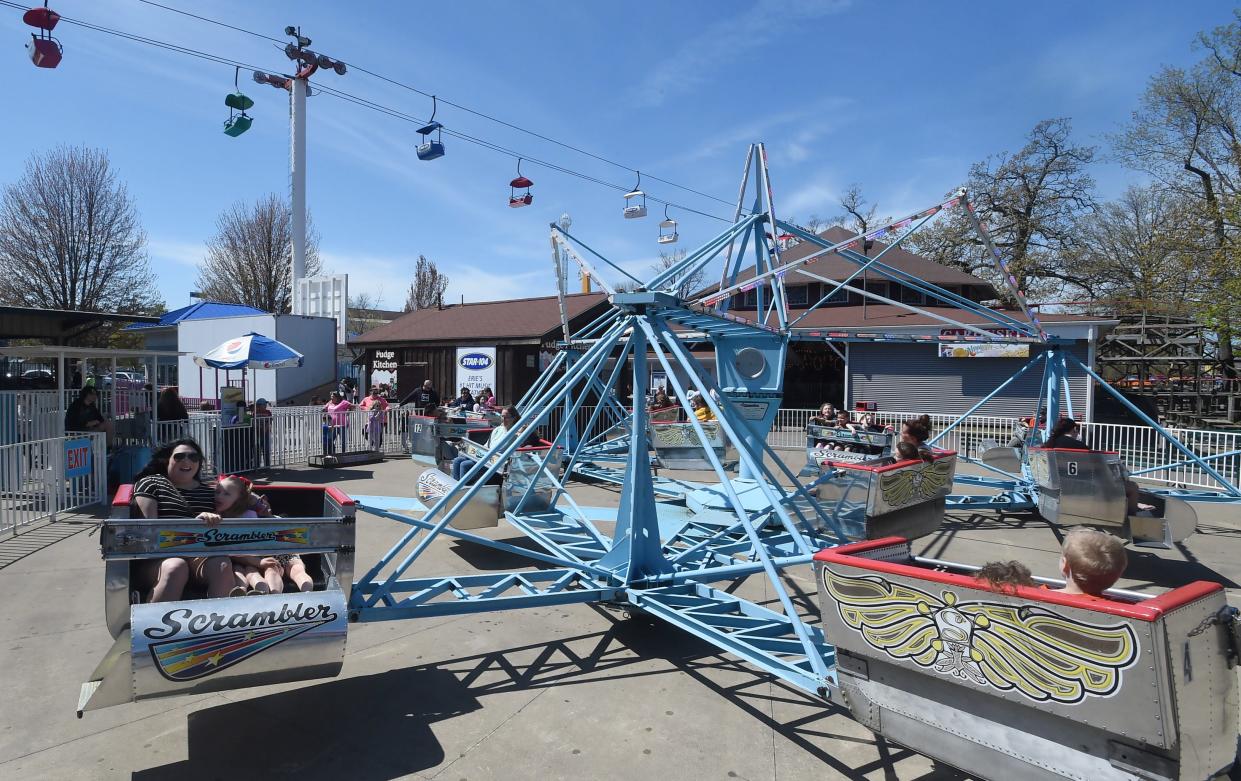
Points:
x=572, y=692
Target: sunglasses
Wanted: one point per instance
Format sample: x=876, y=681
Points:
x=193, y=457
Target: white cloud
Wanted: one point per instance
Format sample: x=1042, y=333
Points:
x=182, y=253
x=386, y=279
x=727, y=40
x=814, y=198
x=810, y=122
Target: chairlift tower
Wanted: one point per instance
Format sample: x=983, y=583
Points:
x=299, y=88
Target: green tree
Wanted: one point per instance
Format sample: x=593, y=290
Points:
x=1030, y=201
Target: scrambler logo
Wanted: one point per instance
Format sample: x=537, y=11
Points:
x=202, y=643
x=215, y=537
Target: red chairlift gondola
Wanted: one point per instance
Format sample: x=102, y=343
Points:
x=516, y=201
x=45, y=51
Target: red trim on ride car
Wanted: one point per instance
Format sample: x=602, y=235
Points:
x=887, y=467
x=124, y=496
x=1146, y=610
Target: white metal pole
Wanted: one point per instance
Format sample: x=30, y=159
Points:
x=297, y=183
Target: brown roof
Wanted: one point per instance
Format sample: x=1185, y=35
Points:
x=834, y=266
x=522, y=318
x=880, y=316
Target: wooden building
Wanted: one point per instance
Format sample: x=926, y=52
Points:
x=430, y=343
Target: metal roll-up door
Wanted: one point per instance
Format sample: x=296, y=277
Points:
x=913, y=378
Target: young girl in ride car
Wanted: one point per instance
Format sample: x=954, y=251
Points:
x=234, y=498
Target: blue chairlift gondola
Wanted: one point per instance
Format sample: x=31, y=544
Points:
x=430, y=149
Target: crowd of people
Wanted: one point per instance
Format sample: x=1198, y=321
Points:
x=170, y=486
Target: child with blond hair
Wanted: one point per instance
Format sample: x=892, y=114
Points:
x=1091, y=561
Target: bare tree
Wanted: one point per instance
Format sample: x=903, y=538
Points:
x=689, y=284
x=859, y=215
x=362, y=314
x=250, y=258
x=428, y=286
x=70, y=237
x=1138, y=255
x=1030, y=200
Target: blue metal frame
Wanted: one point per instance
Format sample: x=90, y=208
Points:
x=669, y=575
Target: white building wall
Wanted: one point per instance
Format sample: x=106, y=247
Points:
x=196, y=337
x=313, y=337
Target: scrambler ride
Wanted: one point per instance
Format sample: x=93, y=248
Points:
x=1026, y=685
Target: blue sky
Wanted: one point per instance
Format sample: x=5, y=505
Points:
x=898, y=96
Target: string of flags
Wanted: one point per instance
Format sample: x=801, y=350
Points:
x=847, y=244
x=960, y=198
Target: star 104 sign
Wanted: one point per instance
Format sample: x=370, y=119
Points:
x=476, y=369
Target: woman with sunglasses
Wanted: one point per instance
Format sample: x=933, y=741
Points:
x=169, y=487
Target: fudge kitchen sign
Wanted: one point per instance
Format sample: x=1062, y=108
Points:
x=384, y=361
x=476, y=369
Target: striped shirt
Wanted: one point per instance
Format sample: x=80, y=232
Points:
x=176, y=502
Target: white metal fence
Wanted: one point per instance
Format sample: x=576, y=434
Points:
x=293, y=434
x=42, y=477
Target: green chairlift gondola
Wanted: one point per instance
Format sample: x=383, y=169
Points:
x=237, y=102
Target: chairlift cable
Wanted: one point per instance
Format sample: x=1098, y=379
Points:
x=221, y=60
x=397, y=114
x=475, y=112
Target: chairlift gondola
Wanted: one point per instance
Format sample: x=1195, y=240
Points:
x=430, y=149
x=237, y=101
x=45, y=51
x=516, y=201
x=634, y=210
x=670, y=225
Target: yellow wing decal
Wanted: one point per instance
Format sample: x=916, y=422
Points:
x=935, y=478
x=891, y=617
x=1049, y=657
x=897, y=488
x=915, y=484
x=1022, y=648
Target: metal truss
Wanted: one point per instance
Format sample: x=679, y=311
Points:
x=664, y=572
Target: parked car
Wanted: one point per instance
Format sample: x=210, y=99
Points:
x=124, y=379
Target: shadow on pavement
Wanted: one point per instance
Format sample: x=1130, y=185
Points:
x=368, y=727
x=311, y=476
x=378, y=726
x=1167, y=572
x=15, y=547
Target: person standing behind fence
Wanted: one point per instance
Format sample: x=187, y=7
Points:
x=336, y=418
x=425, y=399
x=172, y=415
x=262, y=430
x=84, y=415
x=376, y=407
